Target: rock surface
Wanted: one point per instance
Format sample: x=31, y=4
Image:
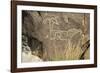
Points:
x=55, y=35
x=28, y=57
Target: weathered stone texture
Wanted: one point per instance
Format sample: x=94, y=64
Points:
x=58, y=32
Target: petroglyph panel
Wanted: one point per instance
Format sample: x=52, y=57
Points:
x=57, y=35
